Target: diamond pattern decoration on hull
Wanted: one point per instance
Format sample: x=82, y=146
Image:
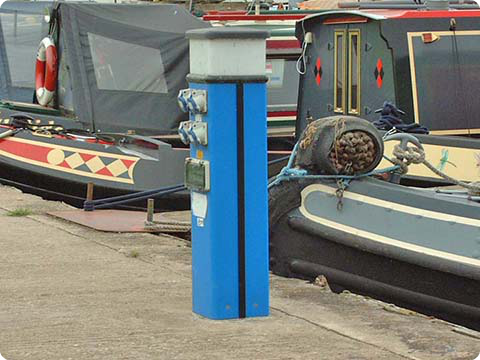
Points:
x=82, y=162
x=379, y=73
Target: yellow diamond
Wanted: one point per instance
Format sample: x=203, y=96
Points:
x=95, y=164
x=74, y=160
x=117, y=167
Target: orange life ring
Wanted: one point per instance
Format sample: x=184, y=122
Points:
x=46, y=71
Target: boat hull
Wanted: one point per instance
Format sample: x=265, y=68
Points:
x=74, y=192
x=60, y=169
x=425, y=275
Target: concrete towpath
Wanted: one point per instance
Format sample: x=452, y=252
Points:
x=68, y=292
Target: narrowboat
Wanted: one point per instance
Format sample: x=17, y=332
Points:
x=415, y=247
x=81, y=107
x=424, y=61
x=96, y=101
x=341, y=208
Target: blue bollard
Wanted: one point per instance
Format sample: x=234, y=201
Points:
x=227, y=172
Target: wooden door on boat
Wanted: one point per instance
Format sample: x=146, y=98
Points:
x=362, y=69
x=331, y=82
x=347, y=72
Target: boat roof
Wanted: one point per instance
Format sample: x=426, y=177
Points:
x=166, y=18
x=384, y=14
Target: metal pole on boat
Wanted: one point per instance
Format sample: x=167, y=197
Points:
x=15, y=20
x=150, y=211
x=227, y=171
x=89, y=191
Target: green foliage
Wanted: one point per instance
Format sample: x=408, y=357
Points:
x=20, y=212
x=133, y=254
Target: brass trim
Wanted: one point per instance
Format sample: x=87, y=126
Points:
x=345, y=21
x=352, y=33
x=336, y=108
x=455, y=132
x=413, y=76
x=411, y=56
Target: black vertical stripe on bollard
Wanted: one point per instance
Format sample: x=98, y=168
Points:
x=242, y=306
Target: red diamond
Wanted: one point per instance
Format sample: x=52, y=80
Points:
x=318, y=71
x=379, y=73
x=379, y=82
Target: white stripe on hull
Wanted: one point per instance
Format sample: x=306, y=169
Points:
x=384, y=239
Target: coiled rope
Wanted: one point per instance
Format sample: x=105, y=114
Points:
x=414, y=155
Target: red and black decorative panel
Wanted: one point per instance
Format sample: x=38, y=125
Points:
x=317, y=71
x=379, y=73
x=87, y=163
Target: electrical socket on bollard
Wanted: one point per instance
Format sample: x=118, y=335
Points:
x=195, y=102
x=182, y=99
x=193, y=132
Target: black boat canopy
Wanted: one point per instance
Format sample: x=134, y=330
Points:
x=120, y=66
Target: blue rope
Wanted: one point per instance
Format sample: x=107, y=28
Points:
x=90, y=205
x=288, y=173
x=283, y=158
x=125, y=199
x=132, y=195
x=121, y=202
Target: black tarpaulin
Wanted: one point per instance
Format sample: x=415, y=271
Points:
x=127, y=64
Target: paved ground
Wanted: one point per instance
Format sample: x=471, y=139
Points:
x=67, y=292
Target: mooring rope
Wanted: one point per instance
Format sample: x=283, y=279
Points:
x=402, y=159
x=414, y=155
x=290, y=173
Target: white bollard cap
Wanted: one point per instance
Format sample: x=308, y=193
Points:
x=227, y=54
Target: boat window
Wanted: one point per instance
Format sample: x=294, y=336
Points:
x=125, y=66
x=339, y=89
x=275, y=71
x=282, y=85
x=354, y=72
x=22, y=35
